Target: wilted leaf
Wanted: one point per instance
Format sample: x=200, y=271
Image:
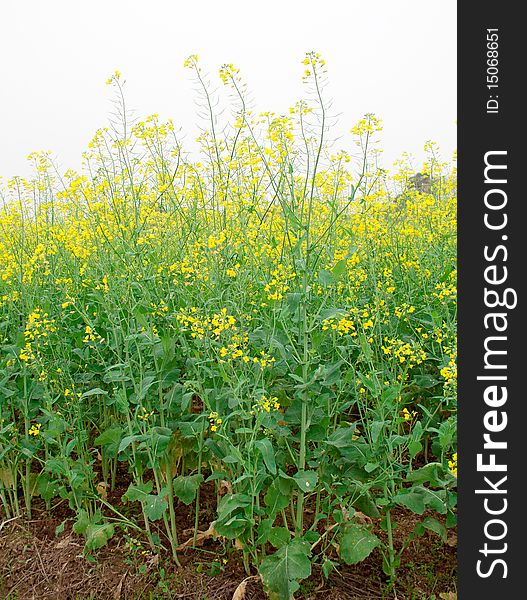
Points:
x=102, y=490
x=202, y=537
x=239, y=592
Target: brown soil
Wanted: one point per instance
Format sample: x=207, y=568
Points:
x=36, y=564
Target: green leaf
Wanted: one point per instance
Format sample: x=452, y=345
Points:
x=264, y=527
x=60, y=528
x=357, y=544
x=376, y=429
x=94, y=392
x=154, y=506
x=419, y=497
x=109, y=436
x=56, y=466
x=84, y=521
x=97, y=536
x=342, y=437
x=326, y=277
x=368, y=353
x=281, y=571
x=367, y=506
x=411, y=500
x=414, y=447
x=431, y=473
x=275, y=500
x=436, y=500
x=146, y=384
x=435, y=526
x=158, y=439
x=425, y=381
x=233, y=527
x=266, y=448
x=230, y=459
x=46, y=488
x=138, y=492
x=306, y=480
x=371, y=466
x=327, y=566
x=126, y=441
x=228, y=504
x=340, y=268
x=311, y=536
x=279, y=536
x=186, y=487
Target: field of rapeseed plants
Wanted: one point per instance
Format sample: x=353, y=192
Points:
x=275, y=320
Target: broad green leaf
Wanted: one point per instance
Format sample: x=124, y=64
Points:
x=56, y=466
x=109, y=436
x=340, y=268
x=327, y=567
x=435, y=526
x=342, y=437
x=279, y=536
x=138, y=492
x=326, y=278
x=357, y=543
x=425, y=381
x=83, y=521
x=46, y=487
x=230, y=459
x=275, y=500
x=127, y=440
x=376, y=429
x=264, y=527
x=419, y=497
x=435, y=499
x=60, y=528
x=146, y=384
x=228, y=504
x=306, y=480
x=282, y=571
x=367, y=506
x=266, y=448
x=158, y=439
x=185, y=487
x=97, y=536
x=311, y=536
x=233, y=527
x=94, y=392
x=154, y=506
x=411, y=500
x=431, y=473
x=371, y=466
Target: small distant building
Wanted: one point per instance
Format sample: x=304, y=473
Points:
x=421, y=182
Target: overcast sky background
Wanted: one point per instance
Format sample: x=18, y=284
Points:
x=396, y=58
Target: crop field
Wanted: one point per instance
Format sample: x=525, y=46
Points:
x=242, y=357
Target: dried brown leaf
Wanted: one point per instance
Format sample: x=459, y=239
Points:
x=239, y=592
x=202, y=537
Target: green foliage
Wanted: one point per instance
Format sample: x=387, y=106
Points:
x=282, y=570
x=267, y=322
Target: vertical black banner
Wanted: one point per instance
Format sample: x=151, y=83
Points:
x=492, y=302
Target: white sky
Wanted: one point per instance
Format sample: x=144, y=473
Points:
x=396, y=58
